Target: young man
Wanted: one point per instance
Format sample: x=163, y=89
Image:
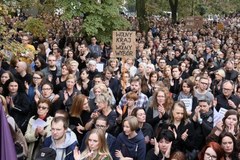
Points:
x=203, y=121
x=135, y=85
x=62, y=139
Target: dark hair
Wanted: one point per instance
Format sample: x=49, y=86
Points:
x=229, y=113
x=234, y=153
x=135, y=110
x=103, y=118
x=189, y=83
x=49, y=84
x=166, y=134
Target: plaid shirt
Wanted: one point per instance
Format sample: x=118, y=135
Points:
x=141, y=102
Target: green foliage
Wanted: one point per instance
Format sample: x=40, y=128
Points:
x=35, y=26
x=101, y=19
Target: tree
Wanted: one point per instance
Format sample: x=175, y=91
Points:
x=174, y=8
x=141, y=14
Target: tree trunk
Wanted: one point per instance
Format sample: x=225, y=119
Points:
x=140, y=7
x=174, y=7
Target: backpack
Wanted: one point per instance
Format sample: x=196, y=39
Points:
x=20, y=139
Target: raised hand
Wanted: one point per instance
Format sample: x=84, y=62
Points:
x=156, y=148
x=184, y=135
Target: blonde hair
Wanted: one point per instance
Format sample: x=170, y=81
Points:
x=102, y=87
x=4, y=104
x=102, y=148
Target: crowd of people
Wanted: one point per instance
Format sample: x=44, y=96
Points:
x=179, y=98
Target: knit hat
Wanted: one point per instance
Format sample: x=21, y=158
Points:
x=221, y=72
x=46, y=154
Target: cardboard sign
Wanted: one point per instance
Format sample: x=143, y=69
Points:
x=124, y=44
x=195, y=22
x=220, y=26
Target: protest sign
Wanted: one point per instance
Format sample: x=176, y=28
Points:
x=124, y=44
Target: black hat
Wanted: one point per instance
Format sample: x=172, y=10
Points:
x=46, y=154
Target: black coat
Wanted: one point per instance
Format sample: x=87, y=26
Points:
x=21, y=110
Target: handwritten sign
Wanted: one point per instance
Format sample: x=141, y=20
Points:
x=195, y=22
x=124, y=44
x=188, y=104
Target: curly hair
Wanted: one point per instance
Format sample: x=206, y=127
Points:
x=168, y=99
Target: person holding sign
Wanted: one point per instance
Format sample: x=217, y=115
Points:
x=38, y=128
x=229, y=123
x=186, y=96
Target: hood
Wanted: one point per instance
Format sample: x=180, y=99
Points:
x=129, y=147
x=70, y=139
x=139, y=137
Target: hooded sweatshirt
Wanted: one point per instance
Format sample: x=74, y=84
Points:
x=65, y=151
x=134, y=147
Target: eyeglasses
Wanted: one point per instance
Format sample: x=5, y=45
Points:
x=204, y=83
x=44, y=89
x=41, y=107
x=100, y=126
x=211, y=157
x=37, y=78
x=227, y=89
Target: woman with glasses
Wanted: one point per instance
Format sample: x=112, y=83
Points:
x=211, y=151
x=35, y=87
x=159, y=107
x=38, y=128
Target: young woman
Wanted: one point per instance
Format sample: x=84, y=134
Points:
x=229, y=146
x=36, y=85
x=152, y=81
x=36, y=134
x=114, y=64
x=66, y=95
x=79, y=116
x=211, y=150
x=40, y=63
x=146, y=128
x=182, y=127
x=61, y=80
x=4, y=78
x=163, y=146
x=229, y=123
x=84, y=84
x=160, y=105
x=96, y=147
x=167, y=75
x=18, y=104
x=186, y=95
x=130, y=143
x=128, y=108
